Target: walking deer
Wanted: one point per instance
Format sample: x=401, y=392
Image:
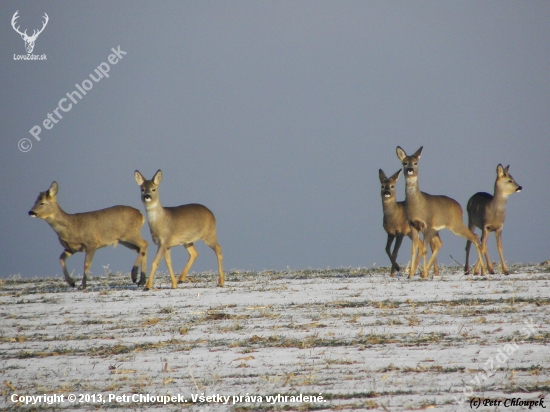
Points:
x=89, y=231
x=431, y=213
x=395, y=222
x=488, y=212
x=179, y=225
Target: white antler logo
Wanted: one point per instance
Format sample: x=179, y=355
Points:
x=29, y=40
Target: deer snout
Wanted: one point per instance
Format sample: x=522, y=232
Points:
x=32, y=214
x=387, y=194
x=147, y=198
x=410, y=171
x=519, y=189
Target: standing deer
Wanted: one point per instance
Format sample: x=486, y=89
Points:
x=179, y=225
x=395, y=222
x=488, y=212
x=29, y=40
x=89, y=231
x=431, y=213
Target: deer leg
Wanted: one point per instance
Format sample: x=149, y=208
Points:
x=135, y=267
x=160, y=254
x=498, y=235
x=212, y=242
x=168, y=259
x=66, y=253
x=143, y=253
x=424, y=250
x=192, y=256
x=484, y=238
x=472, y=229
x=435, y=243
x=395, y=265
x=87, y=264
x=419, y=248
x=467, y=234
x=221, y=278
x=388, y=252
x=140, y=246
x=466, y=264
x=414, y=262
x=428, y=237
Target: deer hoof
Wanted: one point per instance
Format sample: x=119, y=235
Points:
x=134, y=274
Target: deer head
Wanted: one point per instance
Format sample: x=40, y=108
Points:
x=29, y=40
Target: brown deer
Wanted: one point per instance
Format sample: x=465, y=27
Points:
x=89, y=231
x=179, y=225
x=488, y=212
x=395, y=222
x=431, y=213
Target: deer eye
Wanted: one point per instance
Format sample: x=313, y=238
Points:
x=392, y=186
x=42, y=203
x=415, y=163
x=154, y=190
x=142, y=190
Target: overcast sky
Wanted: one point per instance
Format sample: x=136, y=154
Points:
x=277, y=116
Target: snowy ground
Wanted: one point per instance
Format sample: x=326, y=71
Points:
x=349, y=339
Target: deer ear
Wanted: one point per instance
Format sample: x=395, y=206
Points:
x=139, y=177
x=157, y=177
x=506, y=169
x=381, y=175
x=395, y=176
x=418, y=152
x=400, y=153
x=500, y=170
x=52, y=191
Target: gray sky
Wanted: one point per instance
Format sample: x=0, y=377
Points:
x=276, y=115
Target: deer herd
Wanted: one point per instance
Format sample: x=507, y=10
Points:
x=186, y=224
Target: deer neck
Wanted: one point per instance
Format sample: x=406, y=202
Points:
x=412, y=190
x=155, y=212
x=60, y=221
x=499, y=200
x=389, y=206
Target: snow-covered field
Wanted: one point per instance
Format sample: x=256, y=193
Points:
x=348, y=339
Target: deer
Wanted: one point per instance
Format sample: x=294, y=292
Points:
x=29, y=40
x=488, y=212
x=86, y=232
x=174, y=226
x=431, y=213
x=395, y=222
